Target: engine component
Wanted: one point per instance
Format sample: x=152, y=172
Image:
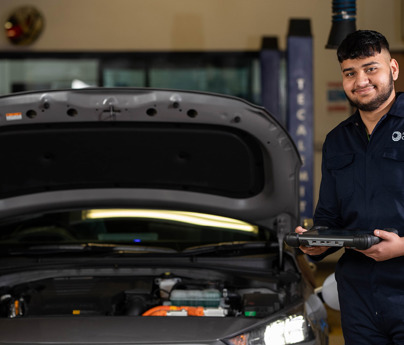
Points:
x=170, y=310
x=202, y=298
x=167, y=295
x=260, y=305
x=12, y=307
x=166, y=284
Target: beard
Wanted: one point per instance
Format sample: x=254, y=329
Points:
x=376, y=102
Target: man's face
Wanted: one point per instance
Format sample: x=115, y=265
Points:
x=369, y=82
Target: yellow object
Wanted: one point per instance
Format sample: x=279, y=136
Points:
x=178, y=216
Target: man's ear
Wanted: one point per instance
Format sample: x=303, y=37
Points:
x=394, y=68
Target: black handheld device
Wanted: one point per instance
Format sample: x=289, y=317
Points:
x=322, y=236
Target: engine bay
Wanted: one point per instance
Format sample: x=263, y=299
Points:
x=165, y=294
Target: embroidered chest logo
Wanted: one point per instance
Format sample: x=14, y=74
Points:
x=397, y=136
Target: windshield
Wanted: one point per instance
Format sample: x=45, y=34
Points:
x=158, y=228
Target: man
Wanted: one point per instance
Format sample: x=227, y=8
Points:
x=362, y=187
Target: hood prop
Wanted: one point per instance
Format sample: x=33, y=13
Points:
x=283, y=227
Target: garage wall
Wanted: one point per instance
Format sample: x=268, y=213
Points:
x=168, y=24
x=177, y=25
x=188, y=24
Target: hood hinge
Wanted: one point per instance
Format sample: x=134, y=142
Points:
x=283, y=226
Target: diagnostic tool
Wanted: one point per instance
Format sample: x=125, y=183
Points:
x=323, y=236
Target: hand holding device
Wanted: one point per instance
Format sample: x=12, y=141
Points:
x=325, y=237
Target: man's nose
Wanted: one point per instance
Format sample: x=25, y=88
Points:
x=362, y=79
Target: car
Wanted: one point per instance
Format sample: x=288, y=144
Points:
x=147, y=216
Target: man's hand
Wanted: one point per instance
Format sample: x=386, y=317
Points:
x=310, y=250
x=391, y=247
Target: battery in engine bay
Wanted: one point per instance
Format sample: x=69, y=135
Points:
x=260, y=305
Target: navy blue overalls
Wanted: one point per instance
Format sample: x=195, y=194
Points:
x=362, y=187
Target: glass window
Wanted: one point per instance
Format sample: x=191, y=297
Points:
x=124, y=77
x=39, y=74
x=160, y=228
x=231, y=73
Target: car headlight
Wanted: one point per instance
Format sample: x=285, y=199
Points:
x=292, y=329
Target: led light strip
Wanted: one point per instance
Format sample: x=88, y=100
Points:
x=177, y=216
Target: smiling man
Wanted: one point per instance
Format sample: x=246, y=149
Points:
x=362, y=188
x=368, y=81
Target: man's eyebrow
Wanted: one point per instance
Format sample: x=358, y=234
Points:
x=362, y=66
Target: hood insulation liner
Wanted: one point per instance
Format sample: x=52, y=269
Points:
x=209, y=159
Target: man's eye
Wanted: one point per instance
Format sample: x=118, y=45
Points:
x=371, y=69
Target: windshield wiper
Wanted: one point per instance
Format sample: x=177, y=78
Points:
x=228, y=247
x=147, y=249
x=224, y=248
x=93, y=248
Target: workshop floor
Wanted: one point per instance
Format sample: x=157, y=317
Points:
x=322, y=271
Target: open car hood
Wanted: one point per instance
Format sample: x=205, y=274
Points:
x=131, y=148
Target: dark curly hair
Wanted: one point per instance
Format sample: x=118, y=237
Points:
x=360, y=44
